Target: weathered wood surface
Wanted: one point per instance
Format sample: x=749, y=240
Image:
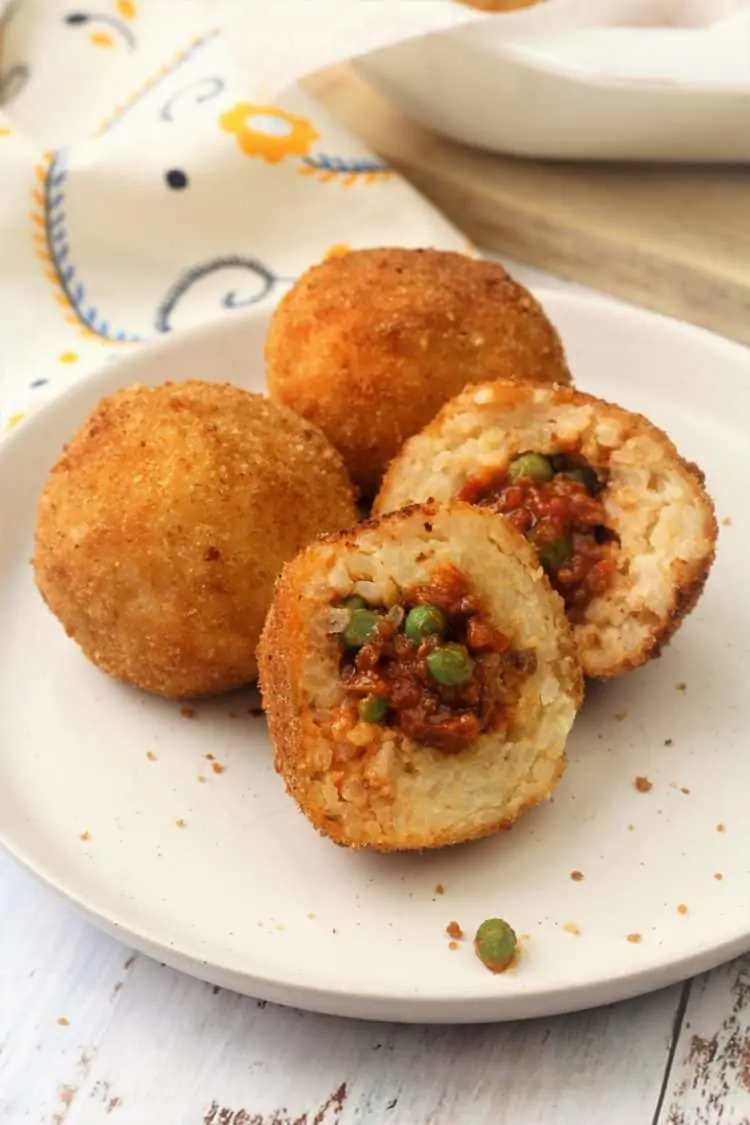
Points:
x=709, y=1079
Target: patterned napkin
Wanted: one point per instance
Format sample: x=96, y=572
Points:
x=145, y=187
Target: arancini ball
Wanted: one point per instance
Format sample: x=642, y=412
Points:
x=419, y=678
x=369, y=345
x=163, y=526
x=501, y=5
x=622, y=524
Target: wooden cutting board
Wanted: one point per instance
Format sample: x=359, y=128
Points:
x=675, y=239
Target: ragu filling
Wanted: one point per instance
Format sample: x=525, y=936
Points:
x=433, y=667
x=554, y=501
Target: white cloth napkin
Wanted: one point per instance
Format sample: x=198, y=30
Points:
x=146, y=187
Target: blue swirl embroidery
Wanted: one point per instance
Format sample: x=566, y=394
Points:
x=49, y=218
x=203, y=89
x=349, y=172
x=230, y=300
x=51, y=235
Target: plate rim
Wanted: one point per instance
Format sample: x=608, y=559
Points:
x=377, y=1004
x=397, y=1008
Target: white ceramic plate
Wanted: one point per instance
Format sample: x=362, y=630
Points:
x=655, y=80
x=246, y=895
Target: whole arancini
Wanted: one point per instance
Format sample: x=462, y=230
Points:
x=369, y=345
x=163, y=526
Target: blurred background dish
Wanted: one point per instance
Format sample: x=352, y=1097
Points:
x=501, y=5
x=665, y=80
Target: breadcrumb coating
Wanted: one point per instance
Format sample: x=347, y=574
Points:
x=370, y=344
x=164, y=524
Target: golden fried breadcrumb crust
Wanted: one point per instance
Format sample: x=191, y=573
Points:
x=364, y=785
x=656, y=502
x=164, y=524
x=370, y=344
x=501, y=5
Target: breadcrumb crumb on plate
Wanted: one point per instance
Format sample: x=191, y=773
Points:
x=73, y=743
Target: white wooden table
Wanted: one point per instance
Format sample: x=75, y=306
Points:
x=93, y=1034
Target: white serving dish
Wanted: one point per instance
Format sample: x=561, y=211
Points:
x=653, y=80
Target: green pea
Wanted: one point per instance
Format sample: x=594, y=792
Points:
x=495, y=944
x=450, y=665
x=361, y=627
x=425, y=621
x=532, y=465
x=553, y=555
x=355, y=602
x=584, y=475
x=373, y=709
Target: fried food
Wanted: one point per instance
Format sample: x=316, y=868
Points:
x=501, y=5
x=370, y=344
x=164, y=524
x=622, y=524
x=419, y=679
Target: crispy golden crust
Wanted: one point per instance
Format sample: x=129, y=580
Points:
x=381, y=794
x=501, y=5
x=164, y=524
x=688, y=582
x=370, y=344
x=613, y=439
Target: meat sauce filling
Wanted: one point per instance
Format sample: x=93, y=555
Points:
x=555, y=502
x=435, y=667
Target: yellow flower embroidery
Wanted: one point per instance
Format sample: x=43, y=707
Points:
x=268, y=131
x=101, y=39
